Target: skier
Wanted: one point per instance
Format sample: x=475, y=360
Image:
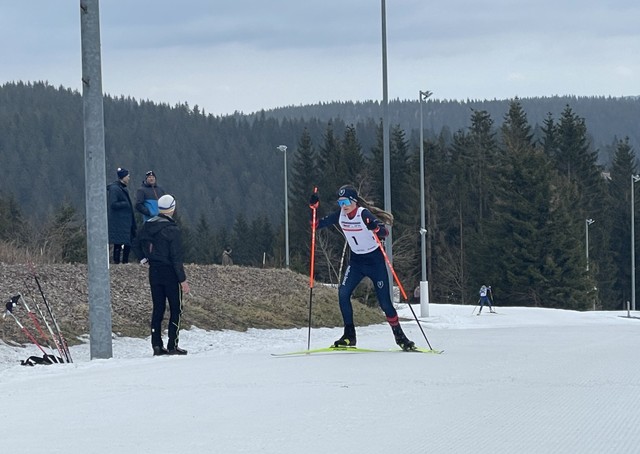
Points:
x=160, y=243
x=358, y=223
x=485, y=298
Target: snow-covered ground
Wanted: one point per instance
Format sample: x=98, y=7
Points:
x=521, y=381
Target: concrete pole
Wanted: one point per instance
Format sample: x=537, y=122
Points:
x=386, y=156
x=283, y=148
x=634, y=179
x=95, y=184
x=424, y=283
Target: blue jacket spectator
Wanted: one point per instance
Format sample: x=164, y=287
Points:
x=147, y=196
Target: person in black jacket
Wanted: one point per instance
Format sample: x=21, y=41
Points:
x=160, y=244
x=147, y=196
x=122, y=223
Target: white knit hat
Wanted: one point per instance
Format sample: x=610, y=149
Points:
x=166, y=204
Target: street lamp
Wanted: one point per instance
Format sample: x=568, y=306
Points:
x=634, y=179
x=424, y=283
x=587, y=223
x=386, y=152
x=283, y=148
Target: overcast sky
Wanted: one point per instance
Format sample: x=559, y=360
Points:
x=246, y=55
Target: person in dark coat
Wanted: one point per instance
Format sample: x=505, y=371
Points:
x=147, y=196
x=122, y=223
x=160, y=244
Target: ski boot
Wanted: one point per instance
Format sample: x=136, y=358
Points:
x=348, y=339
x=159, y=351
x=401, y=339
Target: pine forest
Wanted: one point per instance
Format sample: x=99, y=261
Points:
x=536, y=203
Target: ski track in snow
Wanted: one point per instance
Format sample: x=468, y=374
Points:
x=521, y=381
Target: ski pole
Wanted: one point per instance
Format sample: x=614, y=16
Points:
x=312, y=266
x=36, y=323
x=65, y=348
x=9, y=310
x=475, y=307
x=46, y=323
x=32, y=316
x=404, y=294
x=493, y=303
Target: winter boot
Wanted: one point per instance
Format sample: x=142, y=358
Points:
x=159, y=351
x=177, y=351
x=348, y=339
x=401, y=339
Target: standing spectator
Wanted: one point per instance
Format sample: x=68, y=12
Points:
x=122, y=223
x=160, y=244
x=226, y=256
x=356, y=218
x=148, y=195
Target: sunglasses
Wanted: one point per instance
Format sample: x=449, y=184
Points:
x=344, y=202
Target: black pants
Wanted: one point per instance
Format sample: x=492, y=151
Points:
x=121, y=250
x=165, y=287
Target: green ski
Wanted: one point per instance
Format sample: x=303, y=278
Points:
x=354, y=350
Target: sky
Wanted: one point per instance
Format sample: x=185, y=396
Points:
x=247, y=55
x=524, y=380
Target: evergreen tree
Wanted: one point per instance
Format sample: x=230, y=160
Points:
x=566, y=283
x=352, y=160
x=330, y=167
x=243, y=242
x=66, y=236
x=517, y=230
x=304, y=177
x=263, y=240
x=622, y=170
x=206, y=245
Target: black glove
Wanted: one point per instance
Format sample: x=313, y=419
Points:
x=372, y=225
x=314, y=201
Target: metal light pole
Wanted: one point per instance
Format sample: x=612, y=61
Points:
x=100, y=326
x=283, y=148
x=634, y=179
x=424, y=283
x=587, y=223
x=386, y=156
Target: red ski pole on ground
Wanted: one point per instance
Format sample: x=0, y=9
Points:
x=66, y=353
x=404, y=294
x=9, y=310
x=36, y=323
x=44, y=319
x=314, y=208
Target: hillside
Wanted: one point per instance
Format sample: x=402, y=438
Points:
x=215, y=165
x=222, y=298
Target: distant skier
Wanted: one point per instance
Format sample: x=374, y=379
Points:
x=486, y=298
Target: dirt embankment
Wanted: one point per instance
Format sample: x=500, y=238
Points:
x=231, y=297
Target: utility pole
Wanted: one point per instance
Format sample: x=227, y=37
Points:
x=95, y=184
